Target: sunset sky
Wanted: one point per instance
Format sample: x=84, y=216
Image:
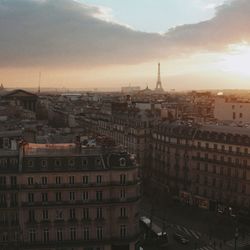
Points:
x=201, y=44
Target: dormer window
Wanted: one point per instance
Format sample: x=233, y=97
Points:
x=71, y=162
x=6, y=143
x=44, y=163
x=84, y=162
x=98, y=162
x=30, y=163
x=57, y=163
x=122, y=162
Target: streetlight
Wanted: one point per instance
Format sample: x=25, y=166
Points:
x=236, y=235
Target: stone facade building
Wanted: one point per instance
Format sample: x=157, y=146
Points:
x=63, y=196
x=207, y=166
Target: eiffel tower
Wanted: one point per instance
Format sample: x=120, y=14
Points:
x=159, y=87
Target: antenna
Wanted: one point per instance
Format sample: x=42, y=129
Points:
x=39, y=83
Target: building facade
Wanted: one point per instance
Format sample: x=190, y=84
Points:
x=67, y=197
x=228, y=109
x=206, y=166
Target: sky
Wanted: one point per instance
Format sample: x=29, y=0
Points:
x=106, y=44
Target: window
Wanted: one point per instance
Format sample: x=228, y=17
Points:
x=86, y=233
x=44, y=197
x=221, y=170
x=123, y=212
x=45, y=214
x=71, y=179
x=84, y=163
x=99, y=213
x=72, y=233
x=241, y=115
x=214, y=182
x=30, y=197
x=215, y=146
x=30, y=163
x=98, y=162
x=31, y=215
x=59, y=214
x=58, y=179
x=98, y=179
x=122, y=193
x=44, y=163
x=3, y=162
x=6, y=143
x=59, y=234
x=123, y=231
x=234, y=115
x=243, y=188
x=45, y=235
x=205, y=167
x=13, y=180
x=13, y=199
x=122, y=179
x=85, y=213
x=57, y=163
x=71, y=196
x=30, y=180
x=72, y=213
x=99, y=195
x=198, y=166
x=99, y=233
x=122, y=162
x=85, y=179
x=71, y=162
x=85, y=195
x=32, y=235
x=58, y=196
x=44, y=180
x=214, y=169
x=2, y=180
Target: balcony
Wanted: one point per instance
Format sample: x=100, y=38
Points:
x=78, y=185
x=59, y=221
x=81, y=202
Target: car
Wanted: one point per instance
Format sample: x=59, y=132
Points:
x=180, y=238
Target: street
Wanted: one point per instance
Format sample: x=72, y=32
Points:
x=204, y=229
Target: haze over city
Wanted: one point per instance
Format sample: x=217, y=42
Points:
x=201, y=44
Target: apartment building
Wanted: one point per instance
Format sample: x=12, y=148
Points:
x=63, y=196
x=232, y=109
x=207, y=166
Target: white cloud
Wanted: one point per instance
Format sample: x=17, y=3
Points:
x=66, y=32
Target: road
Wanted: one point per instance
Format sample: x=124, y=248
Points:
x=204, y=229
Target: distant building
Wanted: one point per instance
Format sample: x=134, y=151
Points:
x=229, y=109
x=62, y=196
x=22, y=98
x=130, y=89
x=1, y=87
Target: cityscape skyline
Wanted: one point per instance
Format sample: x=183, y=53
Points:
x=205, y=49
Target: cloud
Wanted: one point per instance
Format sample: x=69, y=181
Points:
x=69, y=33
